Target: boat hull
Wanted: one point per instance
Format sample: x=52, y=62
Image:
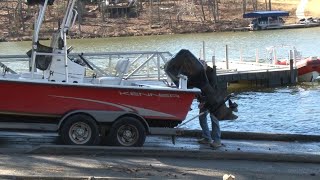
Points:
x=308, y=77
x=308, y=70
x=54, y=100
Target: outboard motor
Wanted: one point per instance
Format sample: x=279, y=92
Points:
x=184, y=62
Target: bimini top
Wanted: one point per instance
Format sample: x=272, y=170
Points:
x=258, y=14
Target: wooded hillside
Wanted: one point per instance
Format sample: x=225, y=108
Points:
x=99, y=18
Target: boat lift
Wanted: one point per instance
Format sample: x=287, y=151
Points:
x=266, y=19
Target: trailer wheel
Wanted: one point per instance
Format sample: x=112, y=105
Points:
x=80, y=129
x=127, y=131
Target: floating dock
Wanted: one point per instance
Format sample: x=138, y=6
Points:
x=255, y=74
x=286, y=26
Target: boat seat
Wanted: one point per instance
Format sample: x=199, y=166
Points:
x=28, y=75
x=121, y=68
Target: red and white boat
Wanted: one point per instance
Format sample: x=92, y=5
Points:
x=308, y=68
x=82, y=109
x=56, y=95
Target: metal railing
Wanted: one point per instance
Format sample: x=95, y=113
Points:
x=143, y=64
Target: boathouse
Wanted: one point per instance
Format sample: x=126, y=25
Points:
x=266, y=19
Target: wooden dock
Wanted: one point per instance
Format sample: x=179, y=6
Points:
x=255, y=74
x=286, y=26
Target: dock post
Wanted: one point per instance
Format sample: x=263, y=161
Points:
x=227, y=58
x=241, y=54
x=274, y=56
x=203, y=50
x=292, y=79
x=214, y=67
x=213, y=61
x=295, y=59
x=257, y=55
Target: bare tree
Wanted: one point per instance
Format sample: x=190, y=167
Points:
x=270, y=5
x=244, y=6
x=255, y=4
x=216, y=6
x=266, y=3
x=80, y=9
x=202, y=9
x=213, y=6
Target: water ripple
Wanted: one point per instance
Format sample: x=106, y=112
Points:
x=281, y=110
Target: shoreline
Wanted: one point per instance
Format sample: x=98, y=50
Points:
x=75, y=35
x=159, y=33
x=169, y=18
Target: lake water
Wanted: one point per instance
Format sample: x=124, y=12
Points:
x=274, y=110
x=277, y=110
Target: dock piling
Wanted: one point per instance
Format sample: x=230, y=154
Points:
x=213, y=61
x=257, y=55
x=203, y=50
x=292, y=77
x=227, y=58
x=241, y=59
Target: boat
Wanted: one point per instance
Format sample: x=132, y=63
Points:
x=262, y=20
x=56, y=95
x=308, y=69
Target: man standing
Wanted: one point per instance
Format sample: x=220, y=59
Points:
x=220, y=113
x=214, y=138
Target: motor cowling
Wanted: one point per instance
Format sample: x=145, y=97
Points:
x=184, y=62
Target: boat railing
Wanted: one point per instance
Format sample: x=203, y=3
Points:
x=143, y=64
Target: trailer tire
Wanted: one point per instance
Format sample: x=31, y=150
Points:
x=80, y=129
x=128, y=132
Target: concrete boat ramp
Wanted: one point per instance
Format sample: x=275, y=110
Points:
x=245, y=155
x=237, y=145
x=261, y=156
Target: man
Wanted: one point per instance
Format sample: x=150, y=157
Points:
x=220, y=113
x=214, y=139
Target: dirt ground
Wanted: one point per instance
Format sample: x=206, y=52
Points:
x=165, y=17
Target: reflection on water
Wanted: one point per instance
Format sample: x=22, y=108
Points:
x=281, y=110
